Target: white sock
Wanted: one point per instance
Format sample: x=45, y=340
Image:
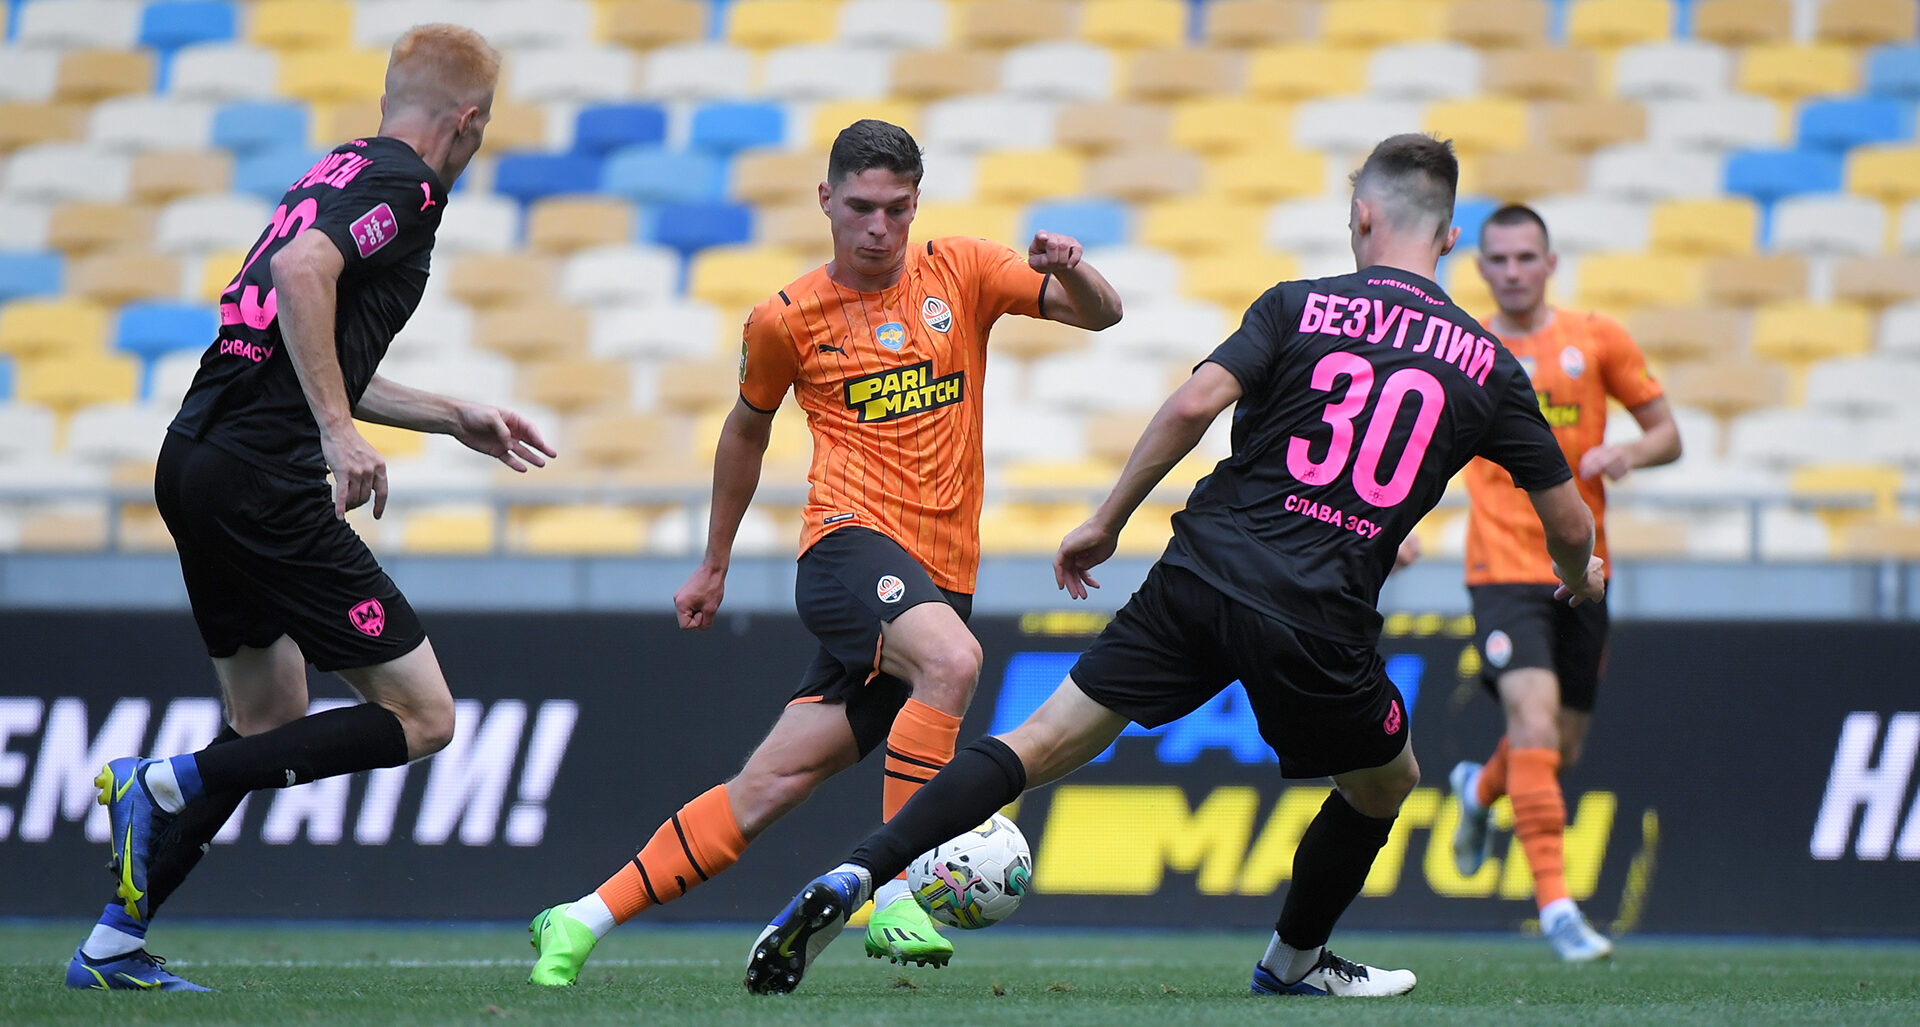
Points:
x=1288, y=963
x=1470, y=795
x=889, y=893
x=163, y=786
x=866, y=882
x=591, y=911
x=105, y=943
x=1554, y=911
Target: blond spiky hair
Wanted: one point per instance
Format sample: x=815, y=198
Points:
x=439, y=66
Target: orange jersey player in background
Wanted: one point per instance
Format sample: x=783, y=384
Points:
x=884, y=348
x=1543, y=659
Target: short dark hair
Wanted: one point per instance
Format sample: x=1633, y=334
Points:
x=1417, y=173
x=1517, y=214
x=868, y=144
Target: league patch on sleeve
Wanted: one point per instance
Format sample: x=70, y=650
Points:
x=375, y=229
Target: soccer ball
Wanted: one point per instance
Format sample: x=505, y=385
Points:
x=975, y=880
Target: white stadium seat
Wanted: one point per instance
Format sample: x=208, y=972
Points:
x=666, y=330
x=378, y=23
x=467, y=375
x=905, y=24
x=950, y=172
x=478, y=223
x=26, y=431
x=629, y=273
x=577, y=73
x=516, y=26
x=1717, y=123
x=1788, y=534
x=151, y=123
x=224, y=71
x=1088, y=381
x=172, y=374
x=989, y=122
x=105, y=24
x=1170, y=328
x=1352, y=124
x=699, y=71
x=439, y=326
x=1034, y=431
x=1863, y=385
x=1894, y=439
x=28, y=74
x=1899, y=332
x=826, y=72
x=109, y=433
x=1310, y=225
x=1640, y=172
x=1137, y=273
x=23, y=224
x=1784, y=436
x=67, y=171
x=209, y=222
x=1829, y=224
x=1424, y=71
x=1585, y=223
x=1058, y=71
x=1676, y=69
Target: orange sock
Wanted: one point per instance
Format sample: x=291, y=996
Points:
x=693, y=845
x=920, y=743
x=1540, y=818
x=1493, y=776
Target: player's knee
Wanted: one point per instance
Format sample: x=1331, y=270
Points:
x=761, y=797
x=950, y=671
x=429, y=725
x=249, y=719
x=1533, y=727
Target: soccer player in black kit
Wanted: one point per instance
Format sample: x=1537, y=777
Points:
x=1359, y=397
x=276, y=577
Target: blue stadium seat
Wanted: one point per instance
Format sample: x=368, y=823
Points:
x=603, y=129
x=1768, y=175
x=271, y=171
x=246, y=128
x=726, y=127
x=530, y=176
x=1094, y=222
x=1894, y=72
x=29, y=274
x=690, y=227
x=1844, y=124
x=6, y=377
x=652, y=175
x=168, y=25
x=153, y=330
x=1469, y=213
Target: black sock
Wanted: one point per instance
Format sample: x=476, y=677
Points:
x=179, y=849
x=983, y=776
x=329, y=744
x=1330, y=866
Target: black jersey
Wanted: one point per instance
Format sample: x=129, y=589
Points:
x=380, y=204
x=1363, y=394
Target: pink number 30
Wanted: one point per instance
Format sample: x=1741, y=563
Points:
x=1340, y=414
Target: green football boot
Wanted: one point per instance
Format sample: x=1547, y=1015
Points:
x=903, y=934
x=564, y=945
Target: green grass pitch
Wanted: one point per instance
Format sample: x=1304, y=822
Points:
x=285, y=974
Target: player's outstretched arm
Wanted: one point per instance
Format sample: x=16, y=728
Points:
x=736, y=474
x=505, y=435
x=1659, y=443
x=1175, y=429
x=306, y=278
x=1086, y=299
x=1569, y=526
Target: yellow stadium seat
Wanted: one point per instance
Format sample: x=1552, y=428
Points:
x=141, y=530
x=301, y=24
x=575, y=385
x=1480, y=125
x=25, y=124
x=1868, y=491
x=216, y=272
x=1798, y=333
x=1305, y=71
x=1148, y=530
x=1607, y=24
x=1539, y=73
x=1523, y=175
x=465, y=530
x=1029, y=528
x=74, y=379
x=789, y=448
x=1705, y=228
x=1889, y=174
x=1234, y=280
x=1881, y=540
x=1645, y=534
x=698, y=386
x=1687, y=333
x=355, y=119
x=162, y=175
x=333, y=76
x=1247, y=23
x=1141, y=175
x=1585, y=125
x=1617, y=282
x=1877, y=281
x=513, y=126
x=1111, y=429
x=1495, y=24
x=1743, y=22
x=1131, y=24
x=1178, y=72
x=1020, y=176
x=619, y=439
x=936, y=74
x=1199, y=224
x=999, y=222
x=1370, y=23
x=761, y=24
x=776, y=177
x=1726, y=388
x=1466, y=288
x=391, y=442
x=800, y=227
x=124, y=276
x=1105, y=125
x=1002, y=23
x=1785, y=72
x=1267, y=174
x=831, y=116
x=52, y=328
x=1230, y=123
x=1754, y=279
x=737, y=278
x=1030, y=338
x=489, y=280
x=563, y=224
x=646, y=24
x=88, y=76
x=581, y=530
x=64, y=527
x=539, y=329
x=1865, y=22
x=81, y=228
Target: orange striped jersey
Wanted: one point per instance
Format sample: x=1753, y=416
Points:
x=890, y=382
x=1576, y=362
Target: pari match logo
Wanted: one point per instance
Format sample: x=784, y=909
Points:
x=885, y=395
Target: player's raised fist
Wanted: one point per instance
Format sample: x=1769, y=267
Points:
x=1051, y=253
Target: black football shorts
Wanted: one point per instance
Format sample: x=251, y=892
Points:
x=1523, y=626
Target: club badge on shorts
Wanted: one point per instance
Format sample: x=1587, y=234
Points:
x=934, y=311
x=1499, y=648
x=891, y=335
x=369, y=617
x=890, y=589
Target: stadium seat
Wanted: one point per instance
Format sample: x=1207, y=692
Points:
x=333, y=76
x=28, y=123
x=935, y=74
x=519, y=27
x=1769, y=175
x=26, y=431
x=574, y=385
x=580, y=530
x=246, y=127
x=973, y=123
x=1497, y=24
x=133, y=123
x=799, y=227
x=1088, y=381
x=1864, y=22
x=1266, y=174
x=1134, y=24
x=301, y=24
x=775, y=177
x=1799, y=333
x=70, y=381
x=224, y=71
x=80, y=228
x=440, y=327
x=1231, y=123
x=1352, y=124
x=898, y=24
x=563, y=224
x=1785, y=436
x=1480, y=125
x=28, y=75
x=1142, y=175
x=1720, y=123
x=619, y=439
x=1371, y=23
x=1887, y=174
x=1587, y=125
x=1180, y=329
x=466, y=530
x=1031, y=529
x=1302, y=71
x=825, y=71
x=1677, y=69
x=1907, y=232
x=1243, y=24
x=488, y=280
x=124, y=276
x=1178, y=73
x=1028, y=338
x=999, y=222
x=998, y=24
x=603, y=128
x=118, y=433
x=1726, y=388
x=651, y=175
x=691, y=227
x=1058, y=71
x=1235, y=279
x=1470, y=215
x=658, y=329
x=1021, y=176
x=1424, y=71
x=1868, y=384
x=478, y=222
x=1103, y=126
x=1880, y=540
x=1651, y=172
x=30, y=274
x=1844, y=124
x=1894, y=72
x=1743, y=22
x=584, y=74
x=1756, y=279
x=1094, y=222
x=1829, y=224
x=1524, y=175
x=1606, y=24
x=1877, y=281
x=832, y=116
x=650, y=24
x=1705, y=228
x=269, y=173
x=764, y=24
x=697, y=71
x=1687, y=333
x=1311, y=223
x=736, y=278
x=77, y=23
x=157, y=176
x=217, y=271
x=1785, y=72
x=533, y=330
x=63, y=527
x=1623, y=282
x=88, y=76
x=726, y=127
x=1539, y=73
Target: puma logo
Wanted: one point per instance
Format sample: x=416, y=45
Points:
x=824, y=348
x=426, y=191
